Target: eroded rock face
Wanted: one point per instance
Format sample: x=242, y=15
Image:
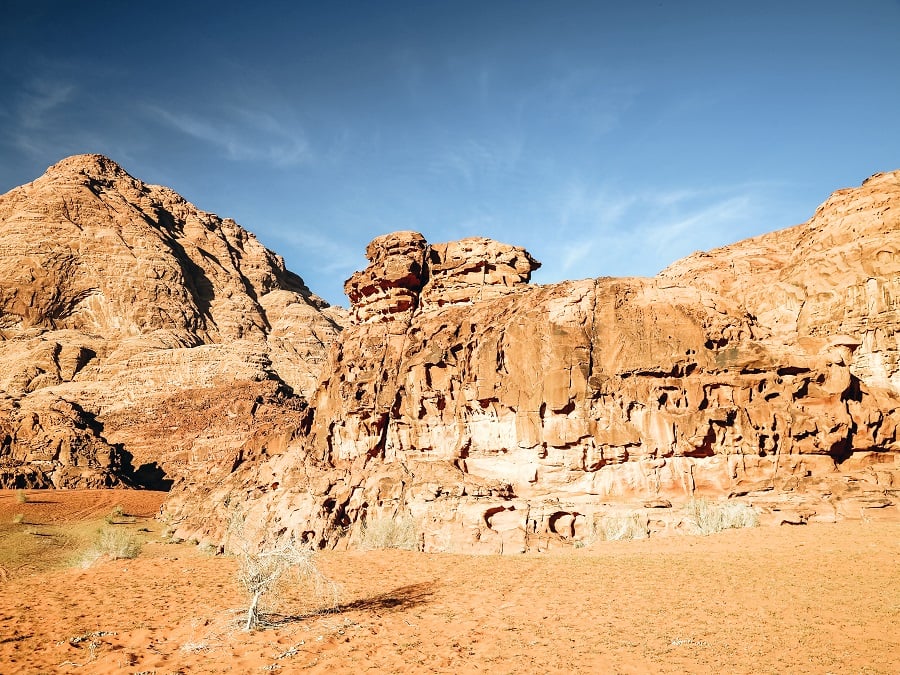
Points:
x=474, y=269
x=146, y=341
x=503, y=417
x=115, y=295
x=839, y=273
x=388, y=289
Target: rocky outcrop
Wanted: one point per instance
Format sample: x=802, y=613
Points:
x=116, y=295
x=406, y=274
x=837, y=274
x=473, y=270
x=503, y=417
x=388, y=289
x=146, y=342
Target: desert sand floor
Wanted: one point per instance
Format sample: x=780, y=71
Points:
x=810, y=599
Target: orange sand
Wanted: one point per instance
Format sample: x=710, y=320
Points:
x=810, y=599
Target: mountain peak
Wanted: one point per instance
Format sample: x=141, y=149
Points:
x=90, y=164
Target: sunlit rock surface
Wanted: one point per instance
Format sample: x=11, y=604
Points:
x=503, y=417
x=146, y=342
x=116, y=299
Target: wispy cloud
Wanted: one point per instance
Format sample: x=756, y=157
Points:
x=31, y=116
x=330, y=255
x=474, y=161
x=39, y=98
x=593, y=100
x=579, y=205
x=53, y=110
x=573, y=253
x=242, y=134
x=606, y=231
x=696, y=226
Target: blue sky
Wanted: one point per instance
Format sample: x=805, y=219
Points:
x=607, y=138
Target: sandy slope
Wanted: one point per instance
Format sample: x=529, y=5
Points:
x=817, y=599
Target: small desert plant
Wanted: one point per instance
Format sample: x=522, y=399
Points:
x=262, y=570
x=112, y=543
x=21, y=497
x=118, y=516
x=620, y=527
x=397, y=532
x=708, y=517
x=18, y=519
x=119, y=544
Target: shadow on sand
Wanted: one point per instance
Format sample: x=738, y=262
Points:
x=398, y=599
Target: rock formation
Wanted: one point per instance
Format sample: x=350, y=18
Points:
x=502, y=417
x=144, y=338
x=837, y=274
x=120, y=303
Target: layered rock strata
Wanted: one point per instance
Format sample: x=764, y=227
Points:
x=145, y=342
x=116, y=296
x=839, y=273
x=504, y=417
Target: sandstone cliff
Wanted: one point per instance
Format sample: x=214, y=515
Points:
x=501, y=417
x=120, y=304
x=837, y=274
x=145, y=341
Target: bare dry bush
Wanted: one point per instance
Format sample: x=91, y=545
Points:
x=262, y=571
x=708, y=517
x=397, y=532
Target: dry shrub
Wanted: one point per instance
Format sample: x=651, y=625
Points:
x=21, y=497
x=111, y=543
x=118, y=516
x=620, y=527
x=263, y=570
x=397, y=532
x=708, y=517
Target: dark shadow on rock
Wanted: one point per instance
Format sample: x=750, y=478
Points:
x=195, y=280
x=152, y=477
x=149, y=476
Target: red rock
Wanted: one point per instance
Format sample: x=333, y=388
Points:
x=116, y=295
x=499, y=416
x=505, y=417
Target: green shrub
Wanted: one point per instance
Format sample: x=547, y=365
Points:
x=708, y=517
